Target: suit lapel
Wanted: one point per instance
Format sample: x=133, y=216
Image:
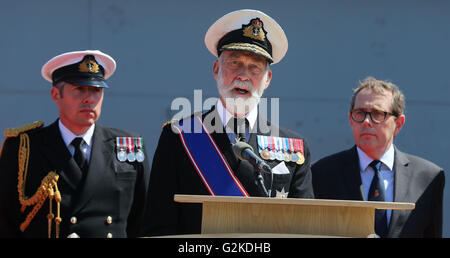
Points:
x=352, y=176
x=401, y=176
x=402, y=179
x=100, y=160
x=59, y=157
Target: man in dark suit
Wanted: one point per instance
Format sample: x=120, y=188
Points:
x=202, y=161
x=376, y=116
x=73, y=178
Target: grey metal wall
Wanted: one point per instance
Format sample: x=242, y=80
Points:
x=161, y=56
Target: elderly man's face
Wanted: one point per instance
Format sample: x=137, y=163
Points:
x=241, y=79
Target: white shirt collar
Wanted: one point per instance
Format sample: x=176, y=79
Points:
x=68, y=136
x=387, y=159
x=225, y=115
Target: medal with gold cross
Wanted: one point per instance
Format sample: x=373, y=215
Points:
x=298, y=145
x=287, y=156
x=263, y=146
x=294, y=157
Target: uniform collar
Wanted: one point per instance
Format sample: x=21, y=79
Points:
x=68, y=136
x=225, y=115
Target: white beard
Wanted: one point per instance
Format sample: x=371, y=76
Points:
x=238, y=105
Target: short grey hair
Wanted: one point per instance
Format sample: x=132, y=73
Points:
x=60, y=86
x=378, y=86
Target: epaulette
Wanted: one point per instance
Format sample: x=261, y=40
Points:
x=14, y=132
x=169, y=122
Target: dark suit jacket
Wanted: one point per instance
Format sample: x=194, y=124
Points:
x=173, y=173
x=112, y=188
x=415, y=180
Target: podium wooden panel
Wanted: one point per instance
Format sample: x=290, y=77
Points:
x=226, y=214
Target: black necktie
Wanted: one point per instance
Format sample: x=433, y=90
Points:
x=239, y=128
x=377, y=193
x=80, y=156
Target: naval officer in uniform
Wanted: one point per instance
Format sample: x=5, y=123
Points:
x=75, y=177
x=203, y=160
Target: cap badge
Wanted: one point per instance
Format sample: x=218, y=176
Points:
x=89, y=65
x=254, y=30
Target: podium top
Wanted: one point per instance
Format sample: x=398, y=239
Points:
x=293, y=201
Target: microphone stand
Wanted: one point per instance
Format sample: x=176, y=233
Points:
x=260, y=181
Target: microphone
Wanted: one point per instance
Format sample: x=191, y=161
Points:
x=245, y=152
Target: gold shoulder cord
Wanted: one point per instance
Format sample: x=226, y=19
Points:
x=48, y=187
x=167, y=123
x=14, y=132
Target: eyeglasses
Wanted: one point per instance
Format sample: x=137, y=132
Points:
x=377, y=116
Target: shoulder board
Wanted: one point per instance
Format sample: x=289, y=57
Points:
x=14, y=132
x=169, y=122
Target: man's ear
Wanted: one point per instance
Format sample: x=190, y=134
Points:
x=269, y=78
x=399, y=122
x=216, y=68
x=56, y=95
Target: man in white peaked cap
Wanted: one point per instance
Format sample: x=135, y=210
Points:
x=75, y=177
x=203, y=154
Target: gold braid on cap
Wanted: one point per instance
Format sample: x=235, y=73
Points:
x=48, y=187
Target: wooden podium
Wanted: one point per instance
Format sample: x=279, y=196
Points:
x=225, y=214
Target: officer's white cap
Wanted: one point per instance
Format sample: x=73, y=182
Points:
x=107, y=63
x=235, y=21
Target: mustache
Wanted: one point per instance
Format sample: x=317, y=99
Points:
x=247, y=85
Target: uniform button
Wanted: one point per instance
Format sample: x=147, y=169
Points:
x=73, y=220
x=109, y=219
x=109, y=235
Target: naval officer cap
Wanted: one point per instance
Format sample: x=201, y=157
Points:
x=82, y=68
x=248, y=30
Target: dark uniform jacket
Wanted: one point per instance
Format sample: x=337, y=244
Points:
x=110, y=203
x=173, y=173
x=415, y=181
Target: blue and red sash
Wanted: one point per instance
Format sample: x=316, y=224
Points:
x=207, y=159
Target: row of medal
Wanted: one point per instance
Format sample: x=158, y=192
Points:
x=130, y=149
x=282, y=149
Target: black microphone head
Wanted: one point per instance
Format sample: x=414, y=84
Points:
x=239, y=147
